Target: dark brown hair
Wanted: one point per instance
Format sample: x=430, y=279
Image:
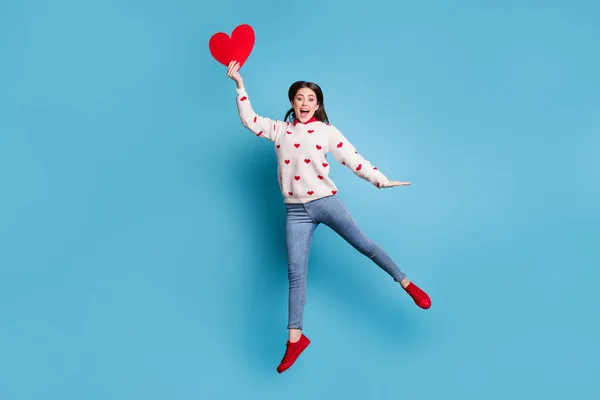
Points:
x=320, y=114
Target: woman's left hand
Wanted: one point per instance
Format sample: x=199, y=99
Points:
x=389, y=183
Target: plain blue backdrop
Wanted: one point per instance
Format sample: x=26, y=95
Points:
x=142, y=251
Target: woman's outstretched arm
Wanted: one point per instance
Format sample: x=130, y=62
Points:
x=345, y=153
x=259, y=125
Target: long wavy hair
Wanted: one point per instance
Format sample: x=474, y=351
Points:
x=320, y=114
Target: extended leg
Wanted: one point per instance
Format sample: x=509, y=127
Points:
x=336, y=216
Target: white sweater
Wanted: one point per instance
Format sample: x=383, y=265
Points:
x=301, y=148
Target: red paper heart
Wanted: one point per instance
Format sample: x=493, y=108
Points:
x=238, y=47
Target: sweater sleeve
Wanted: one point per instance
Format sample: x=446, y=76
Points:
x=345, y=153
x=261, y=126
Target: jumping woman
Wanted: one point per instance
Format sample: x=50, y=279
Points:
x=301, y=140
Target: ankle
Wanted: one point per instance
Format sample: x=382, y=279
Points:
x=404, y=283
x=294, y=335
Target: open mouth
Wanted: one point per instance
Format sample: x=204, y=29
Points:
x=304, y=112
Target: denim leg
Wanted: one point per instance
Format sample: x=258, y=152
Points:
x=333, y=213
x=299, y=232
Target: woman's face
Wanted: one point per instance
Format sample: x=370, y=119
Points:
x=305, y=104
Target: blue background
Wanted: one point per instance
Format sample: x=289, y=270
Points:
x=142, y=249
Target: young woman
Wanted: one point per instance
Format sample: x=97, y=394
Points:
x=301, y=141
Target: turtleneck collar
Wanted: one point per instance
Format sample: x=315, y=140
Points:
x=313, y=119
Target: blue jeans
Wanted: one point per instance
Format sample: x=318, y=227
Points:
x=302, y=220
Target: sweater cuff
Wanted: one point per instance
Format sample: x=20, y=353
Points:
x=381, y=179
x=241, y=91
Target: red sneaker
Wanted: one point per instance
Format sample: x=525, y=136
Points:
x=292, y=352
x=420, y=297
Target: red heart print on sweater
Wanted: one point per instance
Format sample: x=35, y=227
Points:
x=287, y=161
x=259, y=133
x=289, y=133
x=333, y=191
x=306, y=160
x=320, y=177
x=296, y=145
x=297, y=178
x=319, y=147
x=310, y=131
x=278, y=146
x=359, y=167
x=254, y=119
x=325, y=165
x=290, y=193
x=238, y=47
x=244, y=98
x=375, y=168
x=310, y=192
x=340, y=144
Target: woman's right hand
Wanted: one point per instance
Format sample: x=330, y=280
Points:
x=233, y=73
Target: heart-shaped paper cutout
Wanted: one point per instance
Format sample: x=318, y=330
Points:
x=237, y=47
